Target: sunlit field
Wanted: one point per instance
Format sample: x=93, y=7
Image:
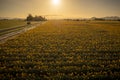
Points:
x=63, y=50
x=11, y=23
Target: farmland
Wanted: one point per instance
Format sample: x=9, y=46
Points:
x=11, y=23
x=63, y=50
x=9, y=28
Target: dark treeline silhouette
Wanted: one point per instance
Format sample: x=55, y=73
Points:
x=36, y=18
x=111, y=18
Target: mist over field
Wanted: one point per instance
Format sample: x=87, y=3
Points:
x=59, y=40
x=62, y=8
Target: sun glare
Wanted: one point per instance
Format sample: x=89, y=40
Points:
x=56, y=2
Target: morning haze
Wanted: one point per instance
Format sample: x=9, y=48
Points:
x=59, y=40
x=65, y=8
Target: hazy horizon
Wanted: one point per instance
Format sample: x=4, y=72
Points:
x=59, y=9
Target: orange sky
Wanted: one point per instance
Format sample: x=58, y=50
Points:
x=65, y=8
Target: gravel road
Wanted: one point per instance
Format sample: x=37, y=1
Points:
x=12, y=34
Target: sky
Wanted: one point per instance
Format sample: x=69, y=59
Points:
x=60, y=9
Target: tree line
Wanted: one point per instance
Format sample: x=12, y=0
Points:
x=36, y=18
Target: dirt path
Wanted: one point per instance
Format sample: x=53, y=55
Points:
x=9, y=35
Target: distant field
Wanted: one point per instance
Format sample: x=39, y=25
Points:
x=9, y=26
x=64, y=50
x=11, y=23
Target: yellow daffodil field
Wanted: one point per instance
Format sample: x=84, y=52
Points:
x=63, y=50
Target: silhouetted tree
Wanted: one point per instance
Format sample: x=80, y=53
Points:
x=29, y=17
x=36, y=18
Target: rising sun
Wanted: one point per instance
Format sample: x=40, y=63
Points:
x=56, y=2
